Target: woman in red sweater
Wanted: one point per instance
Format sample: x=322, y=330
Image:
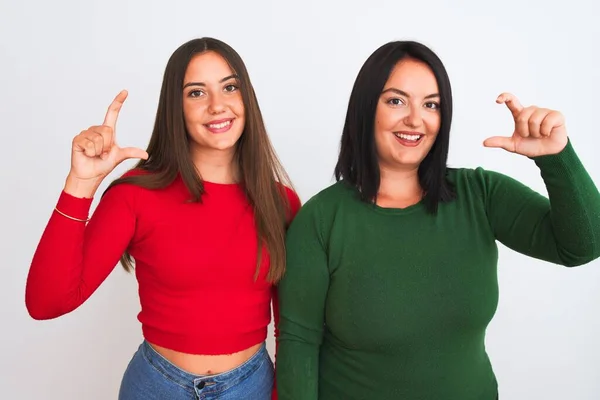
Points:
x=203, y=214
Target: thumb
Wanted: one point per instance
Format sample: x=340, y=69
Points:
x=501, y=142
x=131, y=152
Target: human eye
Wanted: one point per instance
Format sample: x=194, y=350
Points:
x=196, y=93
x=231, y=88
x=395, y=101
x=432, y=105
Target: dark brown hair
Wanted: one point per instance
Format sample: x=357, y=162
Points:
x=262, y=175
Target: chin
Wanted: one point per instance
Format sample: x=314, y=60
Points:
x=221, y=143
x=407, y=162
x=224, y=146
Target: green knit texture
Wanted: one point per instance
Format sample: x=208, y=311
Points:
x=380, y=303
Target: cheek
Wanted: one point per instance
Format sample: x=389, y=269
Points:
x=386, y=119
x=237, y=106
x=192, y=112
x=186, y=113
x=239, y=112
x=433, y=123
x=382, y=138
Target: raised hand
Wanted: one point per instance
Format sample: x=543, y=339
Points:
x=538, y=131
x=95, y=152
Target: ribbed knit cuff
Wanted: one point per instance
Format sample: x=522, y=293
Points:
x=74, y=206
x=566, y=161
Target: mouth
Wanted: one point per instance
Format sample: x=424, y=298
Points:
x=409, y=139
x=219, y=126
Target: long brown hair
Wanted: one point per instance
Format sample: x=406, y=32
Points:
x=262, y=174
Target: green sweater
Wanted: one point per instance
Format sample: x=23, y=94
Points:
x=386, y=304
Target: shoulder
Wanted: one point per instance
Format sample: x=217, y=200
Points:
x=332, y=193
x=292, y=197
x=474, y=174
x=478, y=180
x=134, y=172
x=326, y=200
x=317, y=215
x=463, y=178
x=126, y=185
x=293, y=202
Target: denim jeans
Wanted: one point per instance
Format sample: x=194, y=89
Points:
x=150, y=376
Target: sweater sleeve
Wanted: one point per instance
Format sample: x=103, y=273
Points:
x=295, y=204
x=563, y=228
x=275, y=302
x=302, y=294
x=72, y=258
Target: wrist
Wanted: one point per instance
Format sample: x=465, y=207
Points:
x=81, y=188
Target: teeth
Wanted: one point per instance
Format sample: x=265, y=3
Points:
x=219, y=126
x=408, y=137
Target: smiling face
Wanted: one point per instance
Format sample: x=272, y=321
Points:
x=407, y=119
x=213, y=108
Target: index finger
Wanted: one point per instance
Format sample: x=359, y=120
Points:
x=511, y=102
x=113, y=110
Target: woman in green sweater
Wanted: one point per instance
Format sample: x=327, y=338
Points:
x=391, y=275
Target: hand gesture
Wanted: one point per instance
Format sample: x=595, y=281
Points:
x=538, y=131
x=95, y=152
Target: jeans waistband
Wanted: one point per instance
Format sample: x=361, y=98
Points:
x=217, y=382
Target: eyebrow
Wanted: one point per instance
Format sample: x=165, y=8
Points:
x=402, y=93
x=234, y=76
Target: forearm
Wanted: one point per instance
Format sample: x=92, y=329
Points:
x=73, y=258
x=54, y=268
x=302, y=297
x=563, y=228
x=574, y=204
x=297, y=369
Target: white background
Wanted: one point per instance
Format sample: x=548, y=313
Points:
x=62, y=62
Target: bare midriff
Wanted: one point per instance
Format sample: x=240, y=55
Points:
x=197, y=364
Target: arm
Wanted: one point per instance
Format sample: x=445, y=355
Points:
x=275, y=302
x=72, y=259
x=294, y=204
x=563, y=228
x=302, y=295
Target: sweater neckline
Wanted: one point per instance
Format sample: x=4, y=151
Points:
x=389, y=210
x=396, y=211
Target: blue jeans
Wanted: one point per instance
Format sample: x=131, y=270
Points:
x=150, y=376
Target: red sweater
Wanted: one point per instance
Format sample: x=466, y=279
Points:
x=191, y=259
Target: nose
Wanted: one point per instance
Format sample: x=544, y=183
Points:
x=216, y=105
x=414, y=119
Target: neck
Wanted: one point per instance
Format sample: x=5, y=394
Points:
x=399, y=187
x=217, y=166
